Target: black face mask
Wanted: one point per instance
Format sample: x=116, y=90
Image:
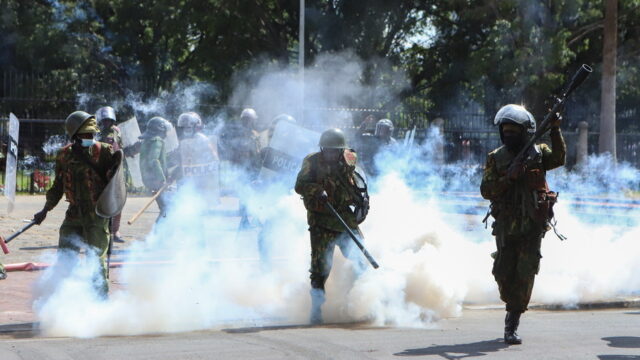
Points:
x=513, y=142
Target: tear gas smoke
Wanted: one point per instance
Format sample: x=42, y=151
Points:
x=54, y=143
x=432, y=260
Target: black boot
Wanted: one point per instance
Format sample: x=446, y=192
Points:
x=511, y=322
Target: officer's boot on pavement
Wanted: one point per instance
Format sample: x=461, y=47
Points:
x=511, y=322
x=317, y=299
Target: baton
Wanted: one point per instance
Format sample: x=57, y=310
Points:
x=372, y=261
x=3, y=241
x=155, y=196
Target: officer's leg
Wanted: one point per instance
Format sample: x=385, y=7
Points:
x=264, y=248
x=322, y=245
x=162, y=201
x=3, y=272
x=350, y=250
x=96, y=235
x=505, y=273
x=115, y=228
x=68, y=247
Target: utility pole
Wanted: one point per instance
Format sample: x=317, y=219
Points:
x=607, y=140
x=301, y=58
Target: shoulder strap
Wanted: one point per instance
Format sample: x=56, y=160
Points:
x=77, y=151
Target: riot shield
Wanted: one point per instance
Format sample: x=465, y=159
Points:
x=12, y=161
x=130, y=131
x=171, y=141
x=114, y=195
x=287, y=148
x=200, y=166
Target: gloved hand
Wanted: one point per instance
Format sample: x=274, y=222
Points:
x=515, y=171
x=40, y=216
x=557, y=119
x=323, y=198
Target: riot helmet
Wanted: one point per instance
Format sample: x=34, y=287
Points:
x=80, y=122
x=333, y=139
x=189, y=123
x=157, y=126
x=105, y=113
x=248, y=118
x=519, y=116
x=384, y=128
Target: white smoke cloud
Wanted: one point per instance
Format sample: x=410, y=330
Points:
x=432, y=260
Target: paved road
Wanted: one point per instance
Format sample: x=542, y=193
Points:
x=605, y=335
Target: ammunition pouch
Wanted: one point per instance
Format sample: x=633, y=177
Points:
x=545, y=200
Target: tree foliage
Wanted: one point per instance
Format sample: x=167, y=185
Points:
x=438, y=56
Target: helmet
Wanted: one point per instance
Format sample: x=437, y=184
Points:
x=249, y=114
x=333, y=139
x=384, y=123
x=282, y=117
x=515, y=114
x=189, y=119
x=74, y=121
x=156, y=126
x=105, y=113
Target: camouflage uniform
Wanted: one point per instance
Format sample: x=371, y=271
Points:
x=113, y=137
x=82, y=185
x=153, y=166
x=326, y=231
x=3, y=272
x=522, y=209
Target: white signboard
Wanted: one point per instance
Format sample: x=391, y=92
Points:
x=12, y=161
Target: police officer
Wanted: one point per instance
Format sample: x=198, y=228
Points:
x=241, y=144
x=198, y=156
x=521, y=205
x=384, y=132
x=82, y=172
x=326, y=176
x=153, y=159
x=110, y=134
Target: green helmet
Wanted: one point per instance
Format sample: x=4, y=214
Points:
x=333, y=139
x=74, y=121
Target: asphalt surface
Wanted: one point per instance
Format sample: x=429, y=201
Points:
x=605, y=334
x=592, y=334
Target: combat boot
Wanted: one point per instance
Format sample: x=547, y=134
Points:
x=511, y=322
x=317, y=299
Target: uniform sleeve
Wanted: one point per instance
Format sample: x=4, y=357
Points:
x=55, y=192
x=554, y=157
x=493, y=184
x=156, y=153
x=305, y=184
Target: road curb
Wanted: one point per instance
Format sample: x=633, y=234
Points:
x=598, y=305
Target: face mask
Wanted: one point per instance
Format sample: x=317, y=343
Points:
x=331, y=155
x=87, y=142
x=513, y=142
x=188, y=132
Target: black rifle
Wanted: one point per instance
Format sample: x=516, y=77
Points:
x=353, y=236
x=577, y=79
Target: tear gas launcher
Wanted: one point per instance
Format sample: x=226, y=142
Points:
x=353, y=236
x=4, y=242
x=577, y=79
